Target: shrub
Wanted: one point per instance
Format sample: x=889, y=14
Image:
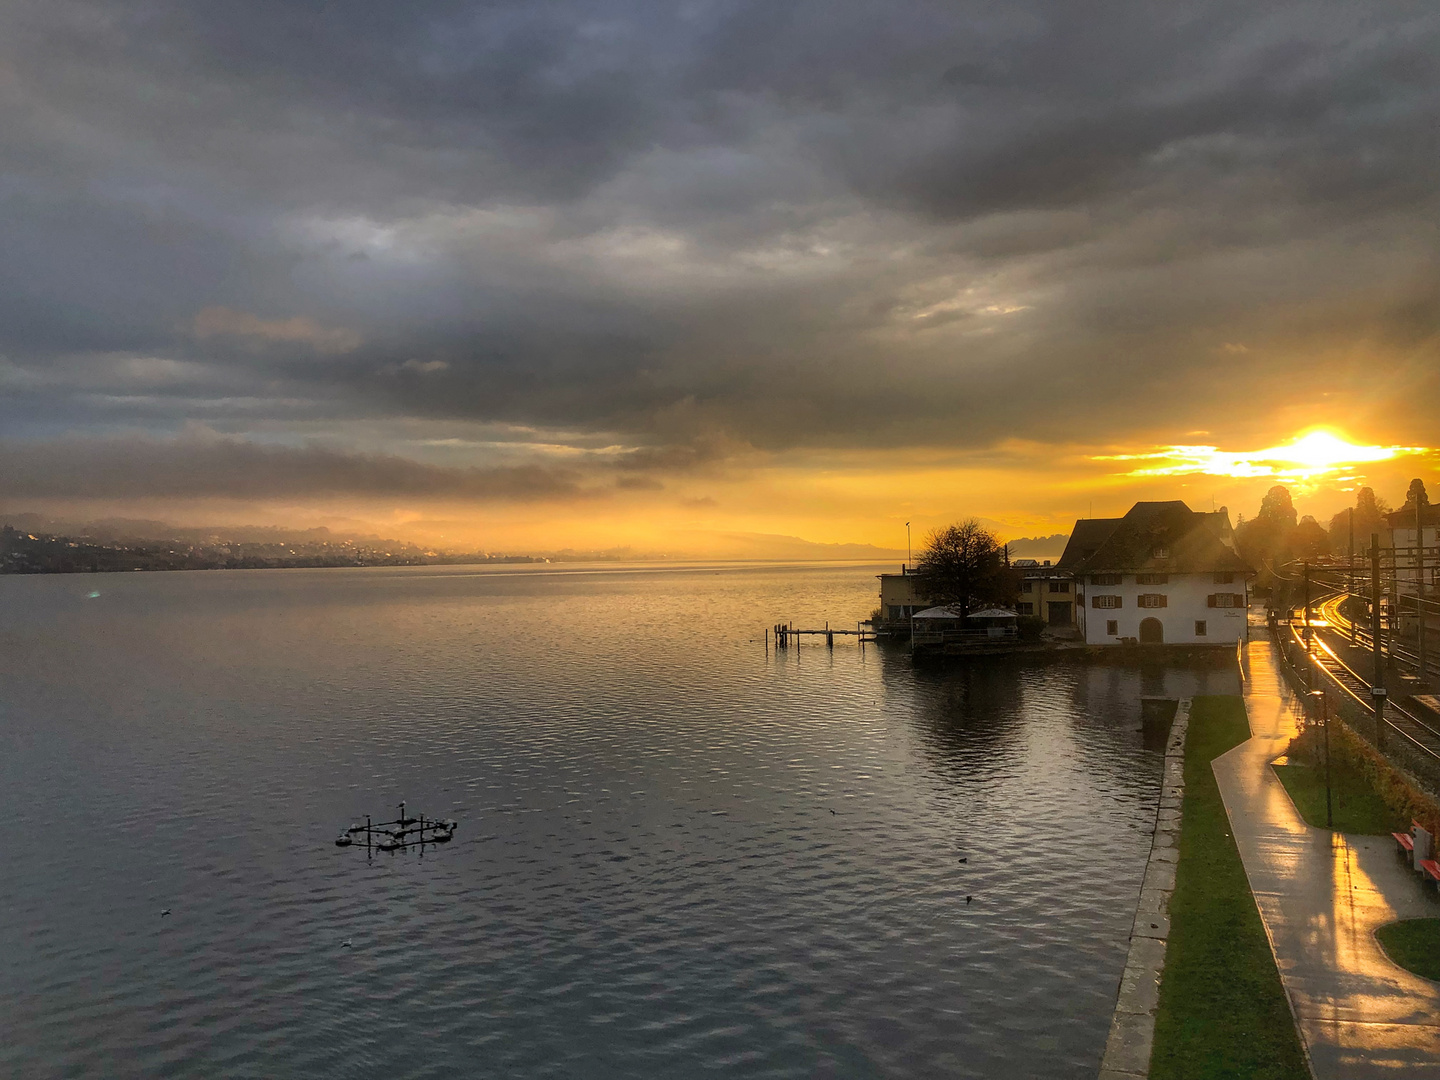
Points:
x=1029, y=627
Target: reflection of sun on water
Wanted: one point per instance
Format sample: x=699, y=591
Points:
x=1316, y=454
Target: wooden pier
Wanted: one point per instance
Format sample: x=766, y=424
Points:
x=786, y=634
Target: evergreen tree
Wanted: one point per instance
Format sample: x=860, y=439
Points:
x=1369, y=514
x=1277, y=509
x=1415, y=494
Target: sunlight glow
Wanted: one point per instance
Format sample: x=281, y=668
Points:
x=1315, y=454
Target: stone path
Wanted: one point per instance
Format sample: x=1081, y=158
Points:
x=1132, y=1028
x=1322, y=895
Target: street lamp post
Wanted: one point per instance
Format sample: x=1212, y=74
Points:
x=1324, y=703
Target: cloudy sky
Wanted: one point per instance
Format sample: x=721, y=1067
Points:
x=571, y=273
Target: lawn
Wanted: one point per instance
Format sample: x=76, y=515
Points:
x=1222, y=1010
x=1414, y=944
x=1357, y=807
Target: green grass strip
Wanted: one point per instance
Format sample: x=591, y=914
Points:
x=1414, y=944
x=1222, y=1009
x=1355, y=804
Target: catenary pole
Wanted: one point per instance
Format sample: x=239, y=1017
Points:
x=1351, y=590
x=1420, y=584
x=1377, y=687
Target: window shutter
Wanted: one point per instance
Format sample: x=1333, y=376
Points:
x=1210, y=600
x=1164, y=599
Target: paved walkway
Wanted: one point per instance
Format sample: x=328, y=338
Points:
x=1321, y=896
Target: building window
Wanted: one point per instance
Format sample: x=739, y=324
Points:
x=1199, y=627
x=1160, y=553
x=1112, y=627
x=1224, y=579
x=894, y=611
x=1152, y=579
x=1150, y=600
x=1025, y=607
x=1059, y=586
x=1226, y=599
x=1104, y=601
x=1104, y=579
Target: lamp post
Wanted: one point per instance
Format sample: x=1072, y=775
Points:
x=909, y=556
x=1319, y=696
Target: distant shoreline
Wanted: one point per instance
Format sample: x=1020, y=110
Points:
x=32, y=553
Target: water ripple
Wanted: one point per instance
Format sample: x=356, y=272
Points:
x=676, y=853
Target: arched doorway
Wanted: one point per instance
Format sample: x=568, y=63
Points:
x=1152, y=632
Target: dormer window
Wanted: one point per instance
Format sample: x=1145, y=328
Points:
x=1160, y=553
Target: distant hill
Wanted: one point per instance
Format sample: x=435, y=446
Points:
x=1039, y=547
x=745, y=545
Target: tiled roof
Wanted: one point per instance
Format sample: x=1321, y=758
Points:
x=1165, y=537
x=1085, y=540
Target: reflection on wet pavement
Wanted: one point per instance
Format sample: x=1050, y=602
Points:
x=1322, y=895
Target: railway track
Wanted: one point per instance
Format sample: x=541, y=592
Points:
x=1421, y=734
x=1330, y=610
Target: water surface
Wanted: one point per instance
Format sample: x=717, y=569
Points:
x=677, y=855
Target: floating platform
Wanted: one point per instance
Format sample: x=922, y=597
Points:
x=403, y=832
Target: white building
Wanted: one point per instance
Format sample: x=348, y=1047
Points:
x=1399, y=535
x=1162, y=574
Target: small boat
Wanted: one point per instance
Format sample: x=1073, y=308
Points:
x=390, y=843
x=441, y=836
x=343, y=840
x=355, y=829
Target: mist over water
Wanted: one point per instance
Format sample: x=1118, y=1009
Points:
x=676, y=854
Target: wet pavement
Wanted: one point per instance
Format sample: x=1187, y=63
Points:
x=1322, y=895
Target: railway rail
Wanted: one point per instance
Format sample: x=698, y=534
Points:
x=1331, y=610
x=1420, y=734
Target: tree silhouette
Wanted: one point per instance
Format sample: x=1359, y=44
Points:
x=1368, y=512
x=1415, y=494
x=965, y=565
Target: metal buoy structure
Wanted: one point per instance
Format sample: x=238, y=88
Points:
x=404, y=832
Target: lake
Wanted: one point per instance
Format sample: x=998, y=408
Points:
x=676, y=854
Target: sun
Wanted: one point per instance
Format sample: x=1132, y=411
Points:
x=1320, y=452
x=1324, y=451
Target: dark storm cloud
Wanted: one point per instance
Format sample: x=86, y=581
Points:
x=709, y=226
x=191, y=467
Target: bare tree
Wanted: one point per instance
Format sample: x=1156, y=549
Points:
x=965, y=565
